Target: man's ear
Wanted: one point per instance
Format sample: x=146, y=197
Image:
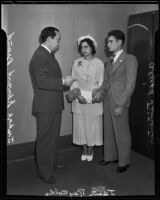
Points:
x=120, y=43
x=48, y=38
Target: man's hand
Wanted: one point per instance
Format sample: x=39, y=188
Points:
x=118, y=111
x=81, y=100
x=68, y=80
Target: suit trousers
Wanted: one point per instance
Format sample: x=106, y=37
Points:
x=117, y=138
x=48, y=132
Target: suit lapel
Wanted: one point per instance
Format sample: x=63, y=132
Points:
x=52, y=59
x=118, y=62
x=57, y=64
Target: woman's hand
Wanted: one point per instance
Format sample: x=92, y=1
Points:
x=73, y=94
x=94, y=91
x=76, y=92
x=81, y=100
x=96, y=97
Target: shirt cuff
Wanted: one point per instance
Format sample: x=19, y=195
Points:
x=62, y=81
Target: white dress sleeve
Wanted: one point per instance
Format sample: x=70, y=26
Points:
x=101, y=73
x=75, y=83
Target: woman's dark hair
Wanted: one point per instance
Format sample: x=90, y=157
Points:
x=90, y=43
x=47, y=32
x=119, y=35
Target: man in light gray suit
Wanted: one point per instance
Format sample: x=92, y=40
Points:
x=116, y=90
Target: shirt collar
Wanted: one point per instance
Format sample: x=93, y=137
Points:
x=46, y=48
x=118, y=54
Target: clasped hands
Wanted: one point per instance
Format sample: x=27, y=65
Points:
x=68, y=80
x=76, y=94
x=97, y=97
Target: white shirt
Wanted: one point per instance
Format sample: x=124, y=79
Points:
x=46, y=48
x=117, y=55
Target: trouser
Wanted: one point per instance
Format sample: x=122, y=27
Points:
x=46, y=149
x=117, y=138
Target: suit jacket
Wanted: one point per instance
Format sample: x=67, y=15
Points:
x=46, y=77
x=120, y=78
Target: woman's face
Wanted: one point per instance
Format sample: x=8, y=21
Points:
x=85, y=49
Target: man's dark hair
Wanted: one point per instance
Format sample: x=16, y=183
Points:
x=47, y=32
x=119, y=35
x=90, y=43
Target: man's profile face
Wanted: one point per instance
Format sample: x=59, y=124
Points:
x=113, y=44
x=54, y=42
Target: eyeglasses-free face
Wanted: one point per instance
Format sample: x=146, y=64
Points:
x=113, y=44
x=85, y=49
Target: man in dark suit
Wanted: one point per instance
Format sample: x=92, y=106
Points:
x=116, y=90
x=48, y=102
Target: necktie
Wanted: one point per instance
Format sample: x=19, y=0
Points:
x=112, y=57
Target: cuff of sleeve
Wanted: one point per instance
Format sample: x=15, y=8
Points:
x=62, y=81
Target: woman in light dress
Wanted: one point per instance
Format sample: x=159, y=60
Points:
x=88, y=71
